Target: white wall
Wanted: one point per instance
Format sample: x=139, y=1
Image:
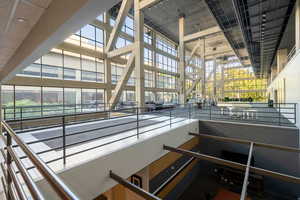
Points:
x=91, y=178
x=291, y=75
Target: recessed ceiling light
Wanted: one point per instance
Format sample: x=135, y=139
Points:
x=21, y=19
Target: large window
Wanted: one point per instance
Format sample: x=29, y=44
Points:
x=89, y=36
x=72, y=66
x=148, y=57
x=121, y=42
x=8, y=103
x=165, y=45
x=149, y=96
x=72, y=100
x=167, y=97
x=127, y=96
x=27, y=101
x=67, y=65
x=128, y=26
x=116, y=73
x=149, y=79
x=166, y=63
x=33, y=70
x=165, y=81
x=52, y=64
x=148, y=36
x=53, y=99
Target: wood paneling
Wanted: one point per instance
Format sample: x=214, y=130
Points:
x=159, y=165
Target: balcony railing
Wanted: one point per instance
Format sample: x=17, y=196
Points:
x=133, y=121
x=34, y=111
x=13, y=187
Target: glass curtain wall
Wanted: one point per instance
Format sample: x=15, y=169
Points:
x=27, y=102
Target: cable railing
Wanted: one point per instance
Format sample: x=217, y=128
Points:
x=13, y=187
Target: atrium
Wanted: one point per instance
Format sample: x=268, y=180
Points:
x=149, y=99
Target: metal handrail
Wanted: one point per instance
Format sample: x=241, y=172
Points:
x=57, y=184
x=164, y=123
x=167, y=116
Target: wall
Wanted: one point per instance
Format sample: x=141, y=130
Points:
x=156, y=174
x=91, y=178
x=290, y=91
x=270, y=159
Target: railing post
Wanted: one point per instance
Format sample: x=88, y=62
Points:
x=295, y=113
x=137, y=122
x=9, y=162
x=64, y=139
x=189, y=111
x=279, y=115
x=4, y=113
x=170, y=118
x=21, y=117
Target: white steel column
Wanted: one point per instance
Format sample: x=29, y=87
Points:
x=297, y=25
x=107, y=61
x=181, y=51
x=139, y=54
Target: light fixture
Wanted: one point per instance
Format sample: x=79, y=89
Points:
x=21, y=19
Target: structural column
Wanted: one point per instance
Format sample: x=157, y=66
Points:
x=139, y=54
x=107, y=62
x=281, y=59
x=297, y=25
x=181, y=51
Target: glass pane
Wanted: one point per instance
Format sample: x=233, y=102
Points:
x=52, y=72
x=28, y=101
x=52, y=59
x=52, y=101
x=88, y=31
x=72, y=100
x=71, y=60
x=89, y=76
x=89, y=100
x=88, y=63
x=34, y=70
x=8, y=101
